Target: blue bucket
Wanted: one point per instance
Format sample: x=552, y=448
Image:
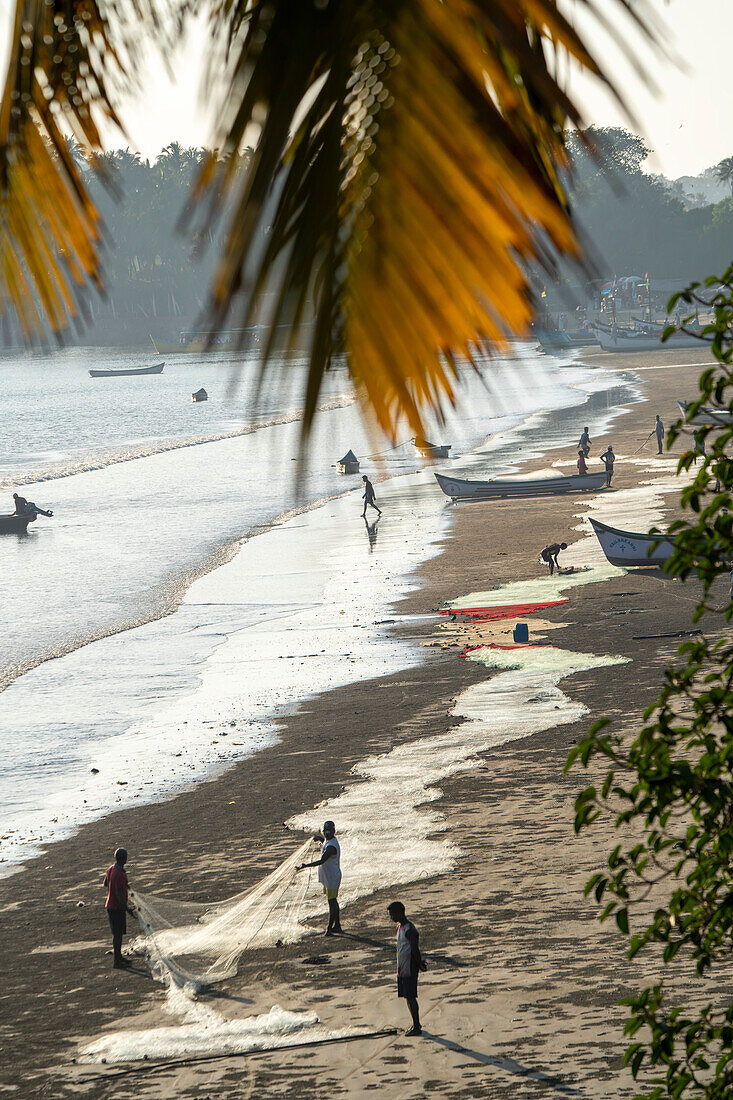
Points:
x=521, y=632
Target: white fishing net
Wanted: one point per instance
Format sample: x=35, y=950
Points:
x=191, y=945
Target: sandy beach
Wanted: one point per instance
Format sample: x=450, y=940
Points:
x=521, y=995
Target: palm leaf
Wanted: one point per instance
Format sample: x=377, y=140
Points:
x=63, y=60
x=406, y=170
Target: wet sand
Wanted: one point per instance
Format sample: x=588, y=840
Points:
x=520, y=999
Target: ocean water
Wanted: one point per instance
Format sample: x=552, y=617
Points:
x=184, y=596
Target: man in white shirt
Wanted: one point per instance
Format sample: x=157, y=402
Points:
x=329, y=875
x=409, y=962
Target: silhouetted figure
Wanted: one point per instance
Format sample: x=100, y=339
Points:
x=116, y=905
x=659, y=429
x=369, y=495
x=549, y=555
x=409, y=962
x=582, y=464
x=21, y=505
x=608, y=458
x=329, y=875
x=584, y=442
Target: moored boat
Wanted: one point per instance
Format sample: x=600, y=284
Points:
x=458, y=489
x=554, y=340
x=128, y=372
x=16, y=525
x=349, y=464
x=630, y=549
x=613, y=338
x=431, y=450
x=707, y=415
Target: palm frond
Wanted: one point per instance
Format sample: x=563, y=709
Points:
x=406, y=169
x=66, y=71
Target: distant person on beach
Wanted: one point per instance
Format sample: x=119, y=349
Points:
x=116, y=905
x=584, y=442
x=608, y=458
x=409, y=962
x=699, y=439
x=549, y=555
x=582, y=464
x=659, y=429
x=329, y=875
x=369, y=495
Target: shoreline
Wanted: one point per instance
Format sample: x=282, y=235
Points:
x=352, y=722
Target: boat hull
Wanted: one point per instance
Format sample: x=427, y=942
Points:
x=717, y=418
x=132, y=372
x=15, y=525
x=629, y=549
x=495, y=490
x=561, y=341
x=628, y=343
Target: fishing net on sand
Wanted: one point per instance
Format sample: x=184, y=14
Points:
x=191, y=945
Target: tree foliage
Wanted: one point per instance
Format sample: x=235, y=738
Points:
x=669, y=789
x=406, y=159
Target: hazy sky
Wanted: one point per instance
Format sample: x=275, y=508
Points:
x=686, y=122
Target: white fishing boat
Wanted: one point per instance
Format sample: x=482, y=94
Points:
x=613, y=338
x=629, y=549
x=457, y=489
x=431, y=450
x=707, y=414
x=128, y=372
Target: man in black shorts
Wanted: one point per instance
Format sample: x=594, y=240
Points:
x=369, y=496
x=549, y=555
x=409, y=962
x=116, y=905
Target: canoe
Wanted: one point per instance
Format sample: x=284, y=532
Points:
x=707, y=414
x=130, y=372
x=431, y=450
x=349, y=464
x=626, y=340
x=200, y=395
x=630, y=549
x=16, y=525
x=518, y=487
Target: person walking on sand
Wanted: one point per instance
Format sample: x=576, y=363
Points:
x=369, y=496
x=549, y=555
x=608, y=458
x=659, y=429
x=582, y=464
x=584, y=442
x=409, y=962
x=329, y=875
x=116, y=905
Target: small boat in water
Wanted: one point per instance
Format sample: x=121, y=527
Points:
x=349, y=464
x=200, y=395
x=708, y=415
x=129, y=372
x=629, y=549
x=431, y=450
x=16, y=525
x=518, y=487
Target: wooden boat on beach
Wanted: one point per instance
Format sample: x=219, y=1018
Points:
x=430, y=450
x=552, y=340
x=129, y=372
x=630, y=549
x=16, y=525
x=349, y=464
x=707, y=415
x=457, y=489
x=614, y=338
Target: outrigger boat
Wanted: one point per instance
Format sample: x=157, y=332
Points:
x=613, y=338
x=708, y=415
x=518, y=487
x=631, y=550
x=157, y=368
x=431, y=450
x=16, y=525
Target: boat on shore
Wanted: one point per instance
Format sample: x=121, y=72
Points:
x=431, y=450
x=16, y=525
x=631, y=549
x=613, y=338
x=128, y=372
x=498, y=488
x=707, y=415
x=554, y=340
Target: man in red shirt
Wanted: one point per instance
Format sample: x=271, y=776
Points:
x=116, y=905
